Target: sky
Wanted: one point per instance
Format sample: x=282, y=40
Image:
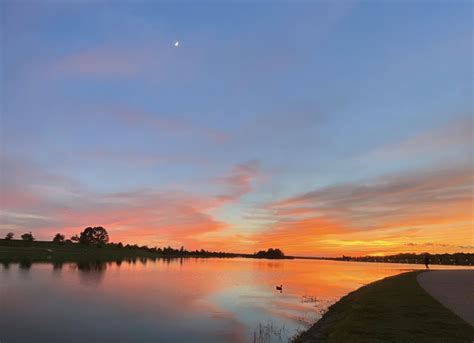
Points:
x=321, y=128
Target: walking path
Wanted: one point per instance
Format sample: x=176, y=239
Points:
x=453, y=288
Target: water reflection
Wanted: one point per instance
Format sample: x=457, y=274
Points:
x=88, y=266
x=57, y=265
x=172, y=300
x=25, y=264
x=91, y=272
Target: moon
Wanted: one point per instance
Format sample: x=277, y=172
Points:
x=176, y=44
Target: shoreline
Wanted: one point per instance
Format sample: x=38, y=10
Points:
x=394, y=309
x=40, y=251
x=44, y=251
x=15, y=250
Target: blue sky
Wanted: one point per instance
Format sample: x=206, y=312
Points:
x=261, y=101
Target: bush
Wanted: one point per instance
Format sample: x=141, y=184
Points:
x=58, y=238
x=27, y=237
x=9, y=236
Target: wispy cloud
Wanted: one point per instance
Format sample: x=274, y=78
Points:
x=130, y=158
x=143, y=119
x=239, y=181
x=443, y=245
x=456, y=134
x=105, y=62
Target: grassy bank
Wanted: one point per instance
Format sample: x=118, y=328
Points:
x=395, y=309
x=58, y=254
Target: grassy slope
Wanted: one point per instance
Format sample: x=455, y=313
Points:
x=395, y=309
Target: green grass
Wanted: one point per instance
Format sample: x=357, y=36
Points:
x=395, y=309
x=50, y=252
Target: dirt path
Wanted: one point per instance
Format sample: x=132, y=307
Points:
x=453, y=288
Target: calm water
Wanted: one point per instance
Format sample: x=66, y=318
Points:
x=187, y=300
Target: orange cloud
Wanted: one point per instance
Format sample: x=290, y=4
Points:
x=376, y=216
x=418, y=211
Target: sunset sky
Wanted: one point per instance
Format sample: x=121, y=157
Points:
x=321, y=128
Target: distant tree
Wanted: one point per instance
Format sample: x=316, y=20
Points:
x=9, y=236
x=75, y=238
x=270, y=253
x=120, y=245
x=94, y=235
x=58, y=238
x=27, y=237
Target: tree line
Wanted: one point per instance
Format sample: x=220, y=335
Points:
x=98, y=237
x=90, y=236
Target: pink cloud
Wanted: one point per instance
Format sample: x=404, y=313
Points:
x=143, y=216
x=239, y=181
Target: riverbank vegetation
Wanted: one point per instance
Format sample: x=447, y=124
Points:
x=93, y=243
x=395, y=309
x=91, y=239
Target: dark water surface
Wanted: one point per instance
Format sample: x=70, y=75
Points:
x=181, y=300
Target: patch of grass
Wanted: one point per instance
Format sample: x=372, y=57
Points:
x=395, y=309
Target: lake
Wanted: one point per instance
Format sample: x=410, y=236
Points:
x=180, y=300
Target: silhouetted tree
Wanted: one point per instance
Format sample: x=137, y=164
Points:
x=75, y=238
x=9, y=236
x=27, y=237
x=270, y=253
x=58, y=238
x=94, y=235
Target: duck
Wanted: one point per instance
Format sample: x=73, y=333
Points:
x=279, y=288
